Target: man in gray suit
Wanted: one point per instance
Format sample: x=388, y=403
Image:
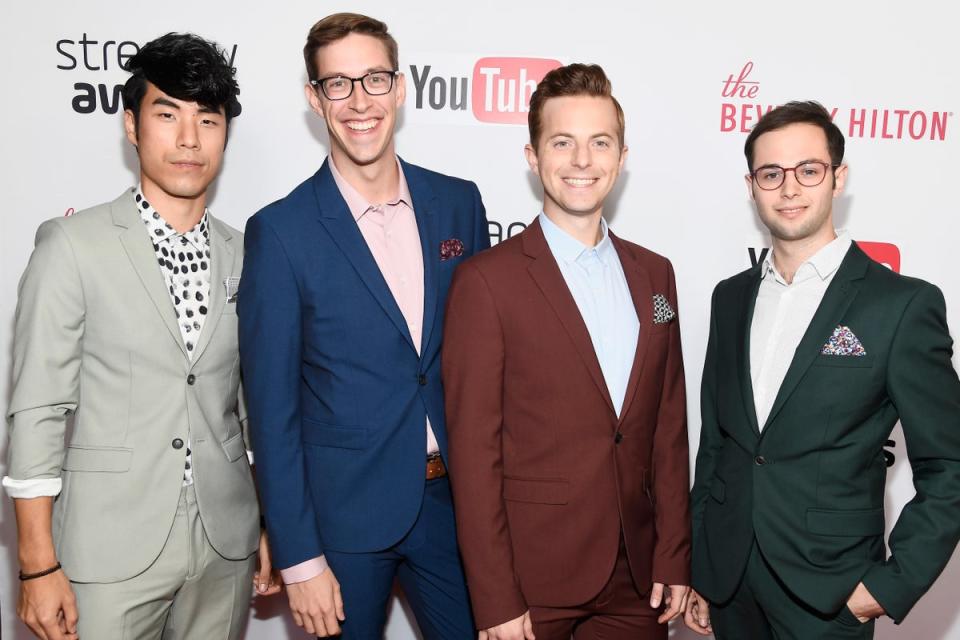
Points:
x=145, y=524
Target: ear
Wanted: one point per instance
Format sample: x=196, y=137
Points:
x=401, y=88
x=840, y=179
x=532, y=159
x=748, y=179
x=313, y=98
x=130, y=126
x=623, y=158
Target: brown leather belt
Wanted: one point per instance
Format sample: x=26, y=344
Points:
x=435, y=467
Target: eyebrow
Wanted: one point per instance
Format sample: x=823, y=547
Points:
x=166, y=103
x=340, y=74
x=563, y=134
x=774, y=164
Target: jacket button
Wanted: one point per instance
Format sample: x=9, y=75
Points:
x=760, y=460
x=422, y=379
x=191, y=379
x=617, y=438
x=177, y=443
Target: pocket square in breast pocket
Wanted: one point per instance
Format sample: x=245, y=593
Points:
x=843, y=342
x=452, y=248
x=662, y=311
x=231, y=285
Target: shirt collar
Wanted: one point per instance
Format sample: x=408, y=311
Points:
x=567, y=248
x=357, y=204
x=823, y=263
x=161, y=231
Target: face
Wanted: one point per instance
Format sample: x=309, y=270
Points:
x=578, y=156
x=794, y=212
x=180, y=144
x=361, y=126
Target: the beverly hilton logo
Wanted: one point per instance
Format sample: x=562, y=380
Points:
x=741, y=108
x=470, y=90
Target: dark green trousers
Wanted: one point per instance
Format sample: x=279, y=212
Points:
x=763, y=608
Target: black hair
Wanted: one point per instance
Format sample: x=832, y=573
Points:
x=808, y=112
x=186, y=67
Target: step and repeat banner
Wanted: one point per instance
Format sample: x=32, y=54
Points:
x=693, y=78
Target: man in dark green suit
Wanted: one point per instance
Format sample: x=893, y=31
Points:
x=813, y=357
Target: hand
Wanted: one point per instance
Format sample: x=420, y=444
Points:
x=48, y=607
x=517, y=629
x=266, y=581
x=697, y=615
x=675, y=602
x=863, y=605
x=317, y=605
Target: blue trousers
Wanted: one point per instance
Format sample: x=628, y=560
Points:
x=427, y=563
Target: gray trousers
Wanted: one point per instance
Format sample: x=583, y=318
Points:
x=189, y=592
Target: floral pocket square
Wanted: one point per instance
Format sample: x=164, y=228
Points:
x=662, y=311
x=452, y=248
x=843, y=342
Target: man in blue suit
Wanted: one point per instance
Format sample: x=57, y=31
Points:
x=341, y=311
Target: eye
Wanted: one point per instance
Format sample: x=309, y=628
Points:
x=770, y=174
x=602, y=143
x=561, y=144
x=810, y=170
x=336, y=83
x=377, y=79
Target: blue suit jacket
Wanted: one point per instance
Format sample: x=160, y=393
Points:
x=337, y=394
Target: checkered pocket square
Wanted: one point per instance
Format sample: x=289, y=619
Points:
x=662, y=311
x=231, y=285
x=843, y=342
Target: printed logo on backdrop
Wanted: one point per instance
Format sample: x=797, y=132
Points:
x=743, y=104
x=459, y=89
x=95, y=66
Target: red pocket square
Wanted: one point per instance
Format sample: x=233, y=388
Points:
x=452, y=248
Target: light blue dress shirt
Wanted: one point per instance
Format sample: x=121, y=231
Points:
x=595, y=278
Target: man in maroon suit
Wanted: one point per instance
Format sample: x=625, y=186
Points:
x=565, y=401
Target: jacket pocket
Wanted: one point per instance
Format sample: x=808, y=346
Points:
x=857, y=522
x=321, y=434
x=856, y=362
x=718, y=490
x=103, y=459
x=535, y=490
x=234, y=447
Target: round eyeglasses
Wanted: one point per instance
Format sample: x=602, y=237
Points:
x=808, y=174
x=375, y=83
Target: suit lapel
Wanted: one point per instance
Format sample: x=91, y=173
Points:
x=746, y=303
x=546, y=274
x=425, y=205
x=638, y=281
x=222, y=257
x=837, y=299
x=136, y=243
x=339, y=223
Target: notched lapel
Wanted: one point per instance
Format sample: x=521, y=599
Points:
x=425, y=207
x=342, y=228
x=638, y=281
x=136, y=243
x=747, y=302
x=837, y=299
x=222, y=264
x=546, y=274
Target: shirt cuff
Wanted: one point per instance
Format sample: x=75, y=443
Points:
x=304, y=571
x=250, y=457
x=35, y=488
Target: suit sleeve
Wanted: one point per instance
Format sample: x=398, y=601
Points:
x=481, y=238
x=473, y=378
x=47, y=348
x=711, y=439
x=924, y=388
x=269, y=309
x=671, y=465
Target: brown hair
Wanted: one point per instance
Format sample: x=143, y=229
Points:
x=808, y=112
x=572, y=80
x=338, y=26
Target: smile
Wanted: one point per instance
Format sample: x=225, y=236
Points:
x=580, y=182
x=791, y=211
x=361, y=125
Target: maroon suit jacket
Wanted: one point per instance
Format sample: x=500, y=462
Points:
x=544, y=473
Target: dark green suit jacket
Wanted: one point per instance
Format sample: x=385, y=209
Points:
x=809, y=486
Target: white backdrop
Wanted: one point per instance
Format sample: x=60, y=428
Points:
x=691, y=79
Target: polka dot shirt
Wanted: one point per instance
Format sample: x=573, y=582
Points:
x=184, y=260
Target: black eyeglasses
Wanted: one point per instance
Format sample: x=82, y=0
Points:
x=808, y=174
x=375, y=83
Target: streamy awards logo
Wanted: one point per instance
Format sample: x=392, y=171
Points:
x=742, y=107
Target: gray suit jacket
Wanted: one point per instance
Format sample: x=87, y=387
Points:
x=96, y=335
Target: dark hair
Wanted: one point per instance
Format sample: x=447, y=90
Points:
x=338, y=26
x=572, y=80
x=186, y=67
x=807, y=112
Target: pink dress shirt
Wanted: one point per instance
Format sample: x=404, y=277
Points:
x=390, y=231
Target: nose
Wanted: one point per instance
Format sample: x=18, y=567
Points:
x=188, y=134
x=581, y=156
x=359, y=99
x=790, y=187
